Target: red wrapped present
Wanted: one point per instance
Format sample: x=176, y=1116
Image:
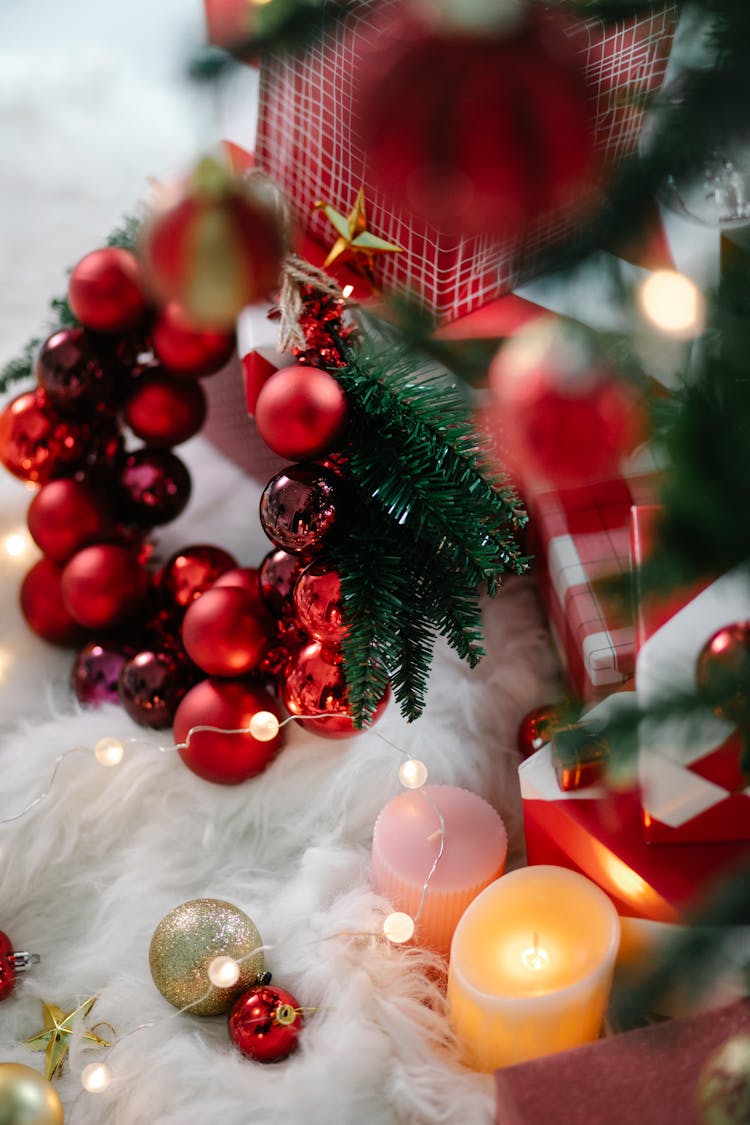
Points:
x=691, y=783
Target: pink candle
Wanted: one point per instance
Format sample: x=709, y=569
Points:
x=406, y=841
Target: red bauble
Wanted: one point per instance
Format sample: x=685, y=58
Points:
x=313, y=684
x=42, y=605
x=36, y=443
x=151, y=686
x=300, y=412
x=535, y=729
x=66, y=515
x=103, y=586
x=317, y=600
x=154, y=487
x=723, y=673
x=264, y=1023
x=95, y=674
x=7, y=966
x=165, y=412
x=223, y=632
x=71, y=371
x=105, y=290
x=186, y=350
x=499, y=131
x=246, y=578
x=226, y=759
x=299, y=508
x=191, y=571
x=277, y=575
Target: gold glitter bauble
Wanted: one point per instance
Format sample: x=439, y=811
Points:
x=724, y=1084
x=185, y=943
x=26, y=1097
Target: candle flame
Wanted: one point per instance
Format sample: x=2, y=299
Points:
x=535, y=957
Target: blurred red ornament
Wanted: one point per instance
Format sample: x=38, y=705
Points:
x=265, y=1023
x=154, y=487
x=300, y=412
x=42, y=605
x=223, y=632
x=313, y=684
x=317, y=600
x=723, y=673
x=277, y=575
x=36, y=443
x=151, y=686
x=187, y=350
x=103, y=586
x=299, y=508
x=164, y=412
x=12, y=963
x=105, y=291
x=66, y=515
x=535, y=729
x=246, y=578
x=226, y=759
x=72, y=372
x=95, y=674
x=191, y=571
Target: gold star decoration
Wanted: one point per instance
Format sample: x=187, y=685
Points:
x=58, y=1031
x=355, y=244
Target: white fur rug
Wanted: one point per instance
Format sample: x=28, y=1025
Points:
x=85, y=878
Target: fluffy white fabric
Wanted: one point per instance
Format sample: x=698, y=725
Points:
x=85, y=878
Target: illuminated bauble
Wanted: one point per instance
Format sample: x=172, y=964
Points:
x=723, y=673
x=724, y=1084
x=300, y=412
x=27, y=1098
x=42, y=605
x=95, y=674
x=151, y=686
x=186, y=350
x=164, y=412
x=105, y=291
x=192, y=571
x=154, y=487
x=265, y=1023
x=185, y=943
x=299, y=508
x=277, y=576
x=36, y=442
x=223, y=632
x=313, y=684
x=226, y=759
x=72, y=372
x=535, y=729
x=317, y=600
x=7, y=969
x=66, y=515
x=103, y=586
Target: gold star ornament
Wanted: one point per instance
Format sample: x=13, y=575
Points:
x=355, y=244
x=59, y=1028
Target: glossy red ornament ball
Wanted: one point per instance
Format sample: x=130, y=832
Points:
x=300, y=412
x=36, y=442
x=313, y=684
x=72, y=372
x=246, y=578
x=186, y=350
x=66, y=515
x=723, y=672
x=317, y=600
x=104, y=585
x=42, y=605
x=265, y=1023
x=535, y=729
x=164, y=412
x=95, y=674
x=192, y=571
x=7, y=967
x=151, y=686
x=105, y=291
x=226, y=759
x=277, y=575
x=154, y=487
x=223, y=632
x=299, y=508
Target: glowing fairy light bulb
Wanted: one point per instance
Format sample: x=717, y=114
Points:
x=412, y=774
x=109, y=751
x=673, y=303
x=347, y=291
x=96, y=1077
x=398, y=927
x=16, y=544
x=263, y=726
x=223, y=972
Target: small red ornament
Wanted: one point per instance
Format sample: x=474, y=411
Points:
x=313, y=684
x=42, y=605
x=36, y=442
x=535, y=729
x=66, y=515
x=103, y=586
x=191, y=571
x=723, y=673
x=246, y=578
x=223, y=632
x=165, y=412
x=12, y=963
x=226, y=759
x=277, y=575
x=265, y=1023
x=151, y=686
x=95, y=674
x=71, y=371
x=317, y=600
x=105, y=291
x=186, y=350
x=299, y=508
x=300, y=412
x=154, y=487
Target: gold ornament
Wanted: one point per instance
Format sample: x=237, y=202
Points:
x=58, y=1031
x=724, y=1084
x=185, y=943
x=26, y=1098
x=355, y=244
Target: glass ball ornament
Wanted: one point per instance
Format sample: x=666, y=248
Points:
x=163, y=411
x=187, y=351
x=318, y=602
x=104, y=585
x=95, y=674
x=27, y=1098
x=72, y=372
x=151, y=687
x=224, y=633
x=43, y=607
x=188, y=573
x=154, y=487
x=106, y=291
x=66, y=515
x=723, y=673
x=277, y=575
x=300, y=507
x=36, y=442
x=313, y=690
x=265, y=1023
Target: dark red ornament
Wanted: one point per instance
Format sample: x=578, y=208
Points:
x=300, y=412
x=66, y=515
x=36, y=442
x=42, y=605
x=95, y=674
x=265, y=1023
x=105, y=291
x=277, y=575
x=723, y=673
x=154, y=487
x=151, y=686
x=165, y=412
x=287, y=639
x=226, y=759
x=104, y=585
x=71, y=371
x=186, y=350
x=224, y=634
x=317, y=600
x=535, y=729
x=313, y=684
x=12, y=963
x=191, y=571
x=299, y=508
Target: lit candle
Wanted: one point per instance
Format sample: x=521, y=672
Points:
x=531, y=966
x=406, y=843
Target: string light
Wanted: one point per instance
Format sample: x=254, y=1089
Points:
x=398, y=927
x=347, y=291
x=109, y=751
x=223, y=972
x=96, y=1077
x=264, y=726
x=412, y=773
x=16, y=544
x=673, y=303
